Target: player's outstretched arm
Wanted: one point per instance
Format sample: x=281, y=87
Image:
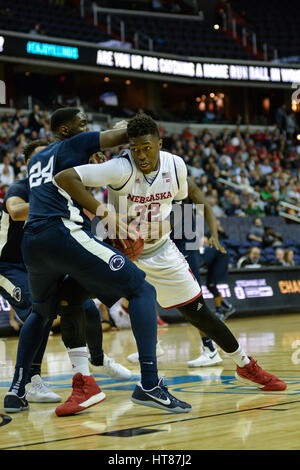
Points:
x=75, y=185
x=197, y=196
x=113, y=137
x=17, y=208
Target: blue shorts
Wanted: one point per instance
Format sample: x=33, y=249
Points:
x=53, y=249
x=14, y=288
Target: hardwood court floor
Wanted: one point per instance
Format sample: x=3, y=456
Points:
x=225, y=415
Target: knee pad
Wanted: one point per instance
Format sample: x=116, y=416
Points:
x=46, y=309
x=73, y=326
x=72, y=293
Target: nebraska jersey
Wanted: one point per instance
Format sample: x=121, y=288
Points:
x=149, y=197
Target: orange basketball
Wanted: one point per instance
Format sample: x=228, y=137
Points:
x=133, y=247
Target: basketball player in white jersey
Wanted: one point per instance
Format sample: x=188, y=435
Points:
x=150, y=179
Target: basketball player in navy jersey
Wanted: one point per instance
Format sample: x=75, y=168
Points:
x=14, y=288
x=57, y=242
x=14, y=279
x=150, y=180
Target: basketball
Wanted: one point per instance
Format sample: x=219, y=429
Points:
x=133, y=247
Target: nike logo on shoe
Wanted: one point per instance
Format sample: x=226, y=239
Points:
x=199, y=306
x=212, y=356
x=160, y=400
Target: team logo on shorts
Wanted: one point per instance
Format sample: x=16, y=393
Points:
x=116, y=262
x=17, y=294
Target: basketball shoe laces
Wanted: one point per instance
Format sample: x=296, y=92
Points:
x=258, y=373
x=77, y=390
x=164, y=392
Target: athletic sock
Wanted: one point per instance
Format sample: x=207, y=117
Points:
x=207, y=343
x=239, y=357
x=79, y=360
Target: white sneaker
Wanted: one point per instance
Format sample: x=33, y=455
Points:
x=135, y=356
x=207, y=358
x=112, y=369
x=37, y=391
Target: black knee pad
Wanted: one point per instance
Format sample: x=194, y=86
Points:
x=73, y=326
x=72, y=293
x=47, y=309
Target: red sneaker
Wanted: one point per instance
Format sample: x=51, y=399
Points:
x=85, y=393
x=160, y=322
x=255, y=375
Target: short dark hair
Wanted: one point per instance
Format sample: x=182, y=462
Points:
x=29, y=148
x=141, y=124
x=62, y=116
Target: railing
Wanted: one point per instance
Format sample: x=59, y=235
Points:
x=248, y=36
x=141, y=39
x=286, y=215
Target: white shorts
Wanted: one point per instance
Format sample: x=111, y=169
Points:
x=170, y=274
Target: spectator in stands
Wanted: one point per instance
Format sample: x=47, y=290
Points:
x=253, y=207
x=3, y=190
x=256, y=232
x=221, y=232
x=289, y=257
x=271, y=238
x=235, y=208
x=279, y=258
x=195, y=171
x=272, y=206
x=251, y=260
x=35, y=123
x=291, y=125
x=280, y=117
x=36, y=30
x=7, y=174
x=226, y=200
x=218, y=211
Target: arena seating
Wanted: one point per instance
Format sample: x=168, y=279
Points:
x=273, y=23
x=169, y=35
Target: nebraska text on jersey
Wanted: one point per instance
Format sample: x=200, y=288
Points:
x=150, y=198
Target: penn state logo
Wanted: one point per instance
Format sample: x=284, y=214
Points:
x=17, y=294
x=116, y=262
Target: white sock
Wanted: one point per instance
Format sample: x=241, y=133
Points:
x=79, y=360
x=239, y=357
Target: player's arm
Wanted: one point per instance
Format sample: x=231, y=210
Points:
x=197, y=196
x=75, y=181
x=114, y=137
x=17, y=208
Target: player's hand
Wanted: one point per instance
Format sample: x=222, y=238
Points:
x=153, y=231
x=117, y=226
x=97, y=157
x=120, y=125
x=214, y=241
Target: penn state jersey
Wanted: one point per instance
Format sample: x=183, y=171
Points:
x=11, y=232
x=46, y=199
x=147, y=198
